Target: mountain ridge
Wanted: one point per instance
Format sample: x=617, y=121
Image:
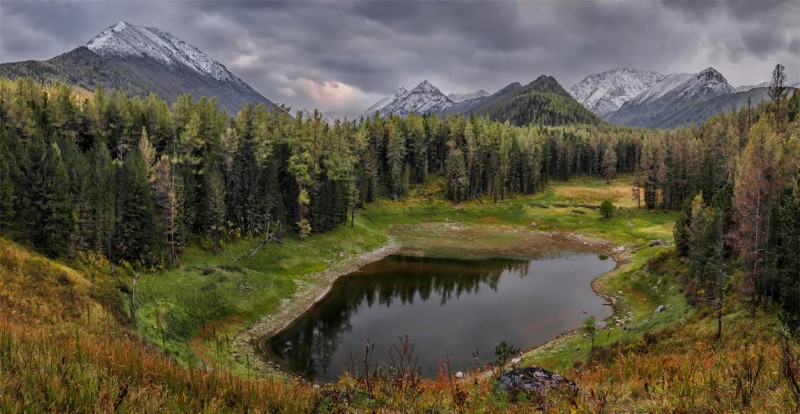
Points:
x=141, y=60
x=656, y=106
x=605, y=92
x=542, y=101
x=422, y=99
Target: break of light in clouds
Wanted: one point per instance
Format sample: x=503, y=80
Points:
x=343, y=56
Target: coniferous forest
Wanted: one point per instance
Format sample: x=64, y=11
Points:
x=139, y=180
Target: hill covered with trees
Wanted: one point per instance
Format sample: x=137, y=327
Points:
x=541, y=102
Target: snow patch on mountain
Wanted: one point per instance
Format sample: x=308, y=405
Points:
x=745, y=88
x=398, y=92
x=461, y=97
x=128, y=40
x=660, y=106
x=691, y=86
x=605, y=92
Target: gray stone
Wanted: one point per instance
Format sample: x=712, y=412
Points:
x=657, y=242
x=459, y=374
x=660, y=309
x=535, y=380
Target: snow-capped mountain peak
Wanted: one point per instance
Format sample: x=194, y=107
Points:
x=128, y=40
x=422, y=99
x=605, y=92
x=425, y=87
x=695, y=86
x=398, y=92
x=662, y=104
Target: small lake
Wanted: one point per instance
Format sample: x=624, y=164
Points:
x=450, y=309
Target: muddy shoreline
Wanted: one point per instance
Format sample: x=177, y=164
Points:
x=250, y=343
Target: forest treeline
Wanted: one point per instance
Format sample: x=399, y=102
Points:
x=137, y=180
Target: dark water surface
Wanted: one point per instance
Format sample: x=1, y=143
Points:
x=448, y=308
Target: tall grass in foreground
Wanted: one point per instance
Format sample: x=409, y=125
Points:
x=68, y=370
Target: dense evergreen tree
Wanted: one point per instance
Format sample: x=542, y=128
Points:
x=48, y=215
x=6, y=189
x=137, y=233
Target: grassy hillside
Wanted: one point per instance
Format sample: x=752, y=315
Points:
x=62, y=349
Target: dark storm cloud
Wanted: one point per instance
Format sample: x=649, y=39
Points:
x=342, y=56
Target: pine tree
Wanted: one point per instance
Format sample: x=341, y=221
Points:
x=148, y=154
x=682, y=230
x=753, y=200
x=396, y=160
x=300, y=167
x=49, y=216
x=6, y=190
x=609, y=163
x=137, y=232
x=787, y=255
x=456, y=174
x=215, y=218
x=166, y=196
x=103, y=196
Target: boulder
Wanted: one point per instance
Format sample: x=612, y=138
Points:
x=459, y=374
x=660, y=309
x=535, y=380
x=657, y=242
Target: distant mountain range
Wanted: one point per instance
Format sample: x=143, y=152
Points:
x=542, y=101
x=652, y=100
x=141, y=60
x=631, y=97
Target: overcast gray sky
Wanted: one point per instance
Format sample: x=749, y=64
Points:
x=343, y=56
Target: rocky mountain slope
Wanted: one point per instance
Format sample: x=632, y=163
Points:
x=461, y=97
x=605, y=92
x=469, y=106
x=542, y=101
x=658, y=106
x=422, y=99
x=141, y=60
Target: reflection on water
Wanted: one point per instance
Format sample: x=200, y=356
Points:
x=450, y=309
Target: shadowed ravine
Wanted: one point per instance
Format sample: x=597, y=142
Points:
x=450, y=309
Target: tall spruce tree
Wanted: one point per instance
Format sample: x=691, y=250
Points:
x=49, y=218
x=137, y=235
